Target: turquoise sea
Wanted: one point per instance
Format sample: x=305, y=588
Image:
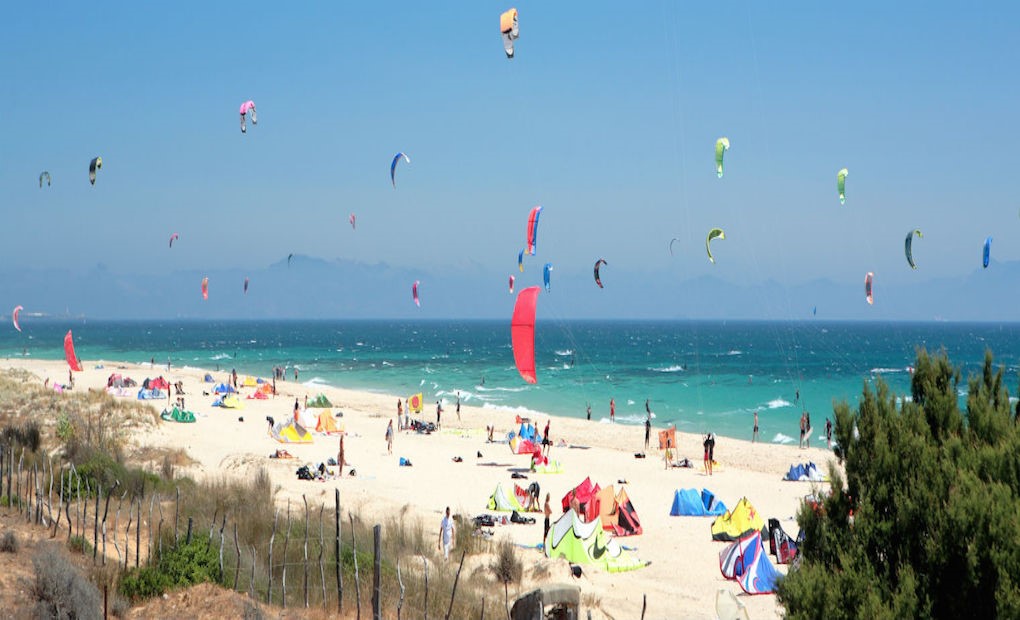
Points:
x=702, y=376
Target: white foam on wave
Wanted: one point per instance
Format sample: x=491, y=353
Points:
x=482, y=388
x=524, y=412
x=674, y=368
x=564, y=352
x=385, y=363
x=220, y=356
x=314, y=381
x=783, y=439
x=777, y=403
x=734, y=352
x=884, y=371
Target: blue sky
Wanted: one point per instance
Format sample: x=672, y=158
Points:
x=607, y=117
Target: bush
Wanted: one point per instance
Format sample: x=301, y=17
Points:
x=184, y=565
x=60, y=591
x=79, y=544
x=9, y=543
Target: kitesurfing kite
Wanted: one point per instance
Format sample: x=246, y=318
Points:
x=909, y=244
x=45, y=175
x=511, y=286
x=94, y=165
x=841, y=184
x=715, y=233
x=546, y=271
x=508, y=26
x=14, y=317
x=172, y=237
x=414, y=293
x=533, y=230
x=671, y=241
x=522, y=333
x=352, y=220
x=248, y=106
x=393, y=167
x=987, y=254
x=289, y=256
x=599, y=263
x=205, y=288
x=721, y=146
x=867, y=287
x=246, y=286
x=69, y=355
x=520, y=261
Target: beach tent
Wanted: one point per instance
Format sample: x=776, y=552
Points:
x=144, y=394
x=327, y=424
x=500, y=501
x=265, y=388
x=745, y=561
x=585, y=542
x=586, y=494
x=159, y=383
x=223, y=388
x=177, y=415
x=249, y=381
x=208, y=378
x=519, y=445
x=668, y=434
x=320, y=402
x=291, y=432
x=781, y=544
x=549, y=467
x=308, y=418
x=736, y=523
x=626, y=522
x=229, y=401
x=804, y=472
x=689, y=503
x=122, y=392
x=257, y=395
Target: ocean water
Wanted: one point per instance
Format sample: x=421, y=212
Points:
x=701, y=376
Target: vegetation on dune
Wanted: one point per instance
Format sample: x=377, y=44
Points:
x=925, y=524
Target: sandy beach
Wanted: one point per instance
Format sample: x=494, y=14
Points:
x=680, y=582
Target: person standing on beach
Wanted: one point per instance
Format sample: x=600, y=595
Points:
x=807, y=429
x=668, y=454
x=297, y=409
x=612, y=410
x=548, y=513
x=295, y=373
x=648, y=427
x=546, y=441
x=709, y=445
x=439, y=414
x=803, y=428
x=389, y=438
x=828, y=433
x=589, y=410
x=754, y=433
x=400, y=413
x=458, y=406
x=340, y=461
x=447, y=534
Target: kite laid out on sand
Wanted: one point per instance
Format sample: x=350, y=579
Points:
x=246, y=107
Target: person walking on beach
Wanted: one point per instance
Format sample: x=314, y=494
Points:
x=648, y=428
x=546, y=441
x=648, y=408
x=340, y=461
x=803, y=428
x=547, y=511
x=828, y=433
x=389, y=438
x=447, y=534
x=612, y=410
x=754, y=433
x=709, y=452
x=295, y=373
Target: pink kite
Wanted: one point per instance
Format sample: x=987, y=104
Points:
x=205, y=288
x=72, y=359
x=172, y=237
x=522, y=333
x=533, y=230
x=245, y=107
x=14, y=317
x=512, y=284
x=414, y=293
x=352, y=219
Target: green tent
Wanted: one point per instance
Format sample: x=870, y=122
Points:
x=320, y=402
x=503, y=502
x=177, y=415
x=587, y=543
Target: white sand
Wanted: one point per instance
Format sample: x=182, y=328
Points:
x=683, y=577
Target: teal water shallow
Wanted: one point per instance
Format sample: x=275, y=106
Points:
x=702, y=376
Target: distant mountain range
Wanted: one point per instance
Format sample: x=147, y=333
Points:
x=313, y=288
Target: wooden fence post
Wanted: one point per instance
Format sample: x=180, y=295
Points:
x=305, y=500
x=237, y=548
x=357, y=578
x=425, y=561
x=322, y=570
x=106, y=511
x=400, y=582
x=453, y=593
x=95, y=527
x=138, y=532
x=269, y=589
x=251, y=582
x=286, y=543
x=177, y=513
x=376, y=572
x=336, y=551
x=223, y=524
x=191, y=521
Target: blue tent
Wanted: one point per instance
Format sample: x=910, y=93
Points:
x=745, y=561
x=689, y=503
x=804, y=472
x=208, y=378
x=223, y=388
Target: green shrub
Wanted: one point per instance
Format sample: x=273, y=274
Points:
x=184, y=565
x=79, y=544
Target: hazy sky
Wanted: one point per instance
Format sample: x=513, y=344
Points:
x=607, y=117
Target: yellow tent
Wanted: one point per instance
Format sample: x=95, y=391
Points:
x=737, y=523
x=249, y=381
x=291, y=432
x=231, y=401
x=327, y=424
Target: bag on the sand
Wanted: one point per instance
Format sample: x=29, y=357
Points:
x=303, y=473
x=484, y=521
x=405, y=462
x=516, y=518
